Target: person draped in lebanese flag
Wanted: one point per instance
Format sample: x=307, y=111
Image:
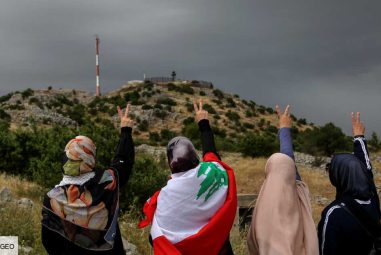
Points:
x=194, y=212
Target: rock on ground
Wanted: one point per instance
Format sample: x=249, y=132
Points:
x=129, y=248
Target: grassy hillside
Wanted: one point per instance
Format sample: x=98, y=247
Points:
x=249, y=175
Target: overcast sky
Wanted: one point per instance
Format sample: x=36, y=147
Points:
x=322, y=57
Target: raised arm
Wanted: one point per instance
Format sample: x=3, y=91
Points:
x=207, y=137
x=125, y=151
x=285, y=138
x=360, y=148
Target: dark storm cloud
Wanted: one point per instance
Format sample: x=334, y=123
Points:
x=321, y=57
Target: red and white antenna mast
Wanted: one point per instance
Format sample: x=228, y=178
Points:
x=98, y=88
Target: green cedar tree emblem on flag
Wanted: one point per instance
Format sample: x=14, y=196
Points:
x=215, y=179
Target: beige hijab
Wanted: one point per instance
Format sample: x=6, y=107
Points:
x=282, y=221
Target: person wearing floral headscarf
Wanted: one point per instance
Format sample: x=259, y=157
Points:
x=80, y=214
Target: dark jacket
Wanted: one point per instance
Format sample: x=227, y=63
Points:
x=55, y=244
x=339, y=231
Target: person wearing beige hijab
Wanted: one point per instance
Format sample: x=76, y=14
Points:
x=282, y=221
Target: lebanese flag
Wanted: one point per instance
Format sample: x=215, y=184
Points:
x=194, y=212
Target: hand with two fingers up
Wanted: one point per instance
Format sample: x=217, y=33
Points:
x=358, y=128
x=125, y=120
x=285, y=120
x=200, y=114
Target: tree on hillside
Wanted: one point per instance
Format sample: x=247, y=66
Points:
x=325, y=140
x=374, y=142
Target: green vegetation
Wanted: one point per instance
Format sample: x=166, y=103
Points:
x=166, y=101
x=27, y=93
x=143, y=126
x=254, y=145
x=374, y=142
x=5, y=97
x=186, y=89
x=326, y=141
x=218, y=93
x=148, y=176
x=233, y=116
x=231, y=103
x=209, y=108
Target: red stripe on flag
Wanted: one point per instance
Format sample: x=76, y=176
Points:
x=149, y=210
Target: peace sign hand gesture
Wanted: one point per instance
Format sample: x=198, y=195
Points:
x=200, y=113
x=358, y=127
x=125, y=121
x=285, y=120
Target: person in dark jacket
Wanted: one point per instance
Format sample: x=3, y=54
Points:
x=339, y=230
x=80, y=215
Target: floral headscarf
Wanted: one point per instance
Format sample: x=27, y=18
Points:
x=79, y=156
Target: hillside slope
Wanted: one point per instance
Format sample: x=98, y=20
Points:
x=159, y=110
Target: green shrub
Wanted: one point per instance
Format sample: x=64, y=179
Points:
x=272, y=129
x=63, y=100
x=233, y=116
x=261, y=123
x=4, y=116
x=116, y=101
x=202, y=93
x=154, y=137
x=186, y=89
x=132, y=96
x=5, y=97
x=146, y=107
x=326, y=141
x=218, y=93
x=258, y=145
x=148, y=176
x=248, y=125
x=374, y=142
x=158, y=106
x=209, y=109
x=188, y=121
x=181, y=89
x=166, y=101
x=190, y=107
x=191, y=131
x=166, y=135
x=77, y=113
x=302, y=122
x=37, y=102
x=231, y=103
x=270, y=110
x=248, y=114
x=27, y=93
x=16, y=107
x=143, y=126
x=261, y=110
x=160, y=113
x=148, y=85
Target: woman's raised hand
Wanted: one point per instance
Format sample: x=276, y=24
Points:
x=125, y=121
x=358, y=127
x=200, y=114
x=285, y=120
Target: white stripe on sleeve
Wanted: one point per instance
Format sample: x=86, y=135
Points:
x=365, y=152
x=325, y=226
